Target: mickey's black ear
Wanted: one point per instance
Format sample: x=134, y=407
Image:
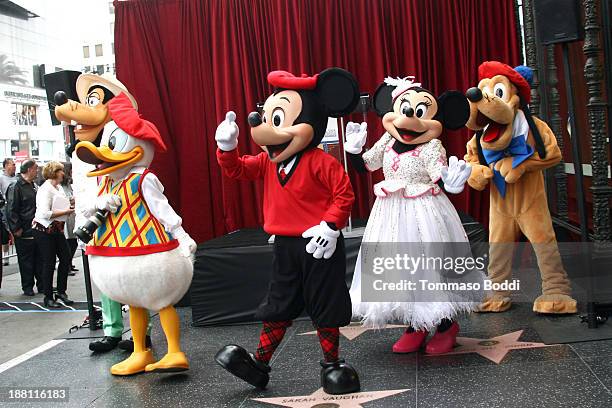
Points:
x=453, y=110
x=338, y=91
x=383, y=102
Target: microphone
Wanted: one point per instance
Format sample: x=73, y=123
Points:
x=85, y=232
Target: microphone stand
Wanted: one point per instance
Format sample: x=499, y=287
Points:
x=85, y=234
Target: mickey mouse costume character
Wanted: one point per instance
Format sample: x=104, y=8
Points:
x=512, y=148
x=411, y=209
x=307, y=200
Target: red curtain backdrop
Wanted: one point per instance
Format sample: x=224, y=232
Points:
x=189, y=61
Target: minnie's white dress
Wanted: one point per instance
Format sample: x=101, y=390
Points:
x=414, y=210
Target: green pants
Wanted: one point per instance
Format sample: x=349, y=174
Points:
x=112, y=321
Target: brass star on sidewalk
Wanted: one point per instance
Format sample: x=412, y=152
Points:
x=321, y=399
x=355, y=330
x=495, y=349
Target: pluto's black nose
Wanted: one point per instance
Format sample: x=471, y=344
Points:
x=254, y=119
x=60, y=98
x=474, y=94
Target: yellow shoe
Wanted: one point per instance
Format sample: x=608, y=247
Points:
x=171, y=363
x=555, y=304
x=495, y=304
x=134, y=364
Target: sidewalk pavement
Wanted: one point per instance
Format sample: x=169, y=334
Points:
x=22, y=331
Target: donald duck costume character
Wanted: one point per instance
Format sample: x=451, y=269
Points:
x=140, y=255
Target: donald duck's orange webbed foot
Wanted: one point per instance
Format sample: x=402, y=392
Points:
x=171, y=363
x=134, y=364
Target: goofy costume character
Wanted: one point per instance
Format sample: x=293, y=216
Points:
x=90, y=114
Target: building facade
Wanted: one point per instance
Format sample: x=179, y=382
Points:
x=98, y=40
x=35, y=38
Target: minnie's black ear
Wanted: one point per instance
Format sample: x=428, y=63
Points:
x=383, y=102
x=453, y=110
x=338, y=91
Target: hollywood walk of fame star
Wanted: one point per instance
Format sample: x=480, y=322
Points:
x=355, y=330
x=320, y=399
x=495, y=348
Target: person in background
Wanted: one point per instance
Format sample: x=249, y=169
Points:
x=20, y=209
x=71, y=239
x=4, y=234
x=48, y=230
x=8, y=175
x=6, y=179
x=39, y=179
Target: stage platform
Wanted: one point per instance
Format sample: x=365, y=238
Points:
x=576, y=375
x=232, y=272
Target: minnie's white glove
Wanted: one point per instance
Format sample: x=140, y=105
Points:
x=227, y=133
x=356, y=135
x=323, y=242
x=108, y=202
x=455, y=175
x=379, y=191
x=187, y=245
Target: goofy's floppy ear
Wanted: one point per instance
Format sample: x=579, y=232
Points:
x=453, y=110
x=383, y=102
x=338, y=91
x=537, y=137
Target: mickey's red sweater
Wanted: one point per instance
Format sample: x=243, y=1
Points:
x=316, y=189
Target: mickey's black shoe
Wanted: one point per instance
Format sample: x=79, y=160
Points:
x=106, y=344
x=339, y=377
x=243, y=365
x=128, y=345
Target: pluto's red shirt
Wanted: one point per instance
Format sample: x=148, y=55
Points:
x=316, y=189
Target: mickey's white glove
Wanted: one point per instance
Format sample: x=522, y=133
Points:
x=187, y=245
x=356, y=135
x=108, y=202
x=227, y=133
x=323, y=242
x=455, y=175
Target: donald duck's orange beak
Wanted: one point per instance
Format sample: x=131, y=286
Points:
x=105, y=159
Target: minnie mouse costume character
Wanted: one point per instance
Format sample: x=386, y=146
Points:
x=307, y=198
x=412, y=209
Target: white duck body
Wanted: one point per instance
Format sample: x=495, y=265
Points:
x=151, y=281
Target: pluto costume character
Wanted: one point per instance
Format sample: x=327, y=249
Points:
x=140, y=255
x=512, y=148
x=307, y=200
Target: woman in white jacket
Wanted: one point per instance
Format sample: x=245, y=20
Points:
x=52, y=210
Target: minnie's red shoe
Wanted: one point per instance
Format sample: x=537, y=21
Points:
x=444, y=342
x=410, y=342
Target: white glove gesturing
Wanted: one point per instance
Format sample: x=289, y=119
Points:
x=108, y=202
x=187, y=246
x=356, y=135
x=455, y=175
x=323, y=242
x=227, y=133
